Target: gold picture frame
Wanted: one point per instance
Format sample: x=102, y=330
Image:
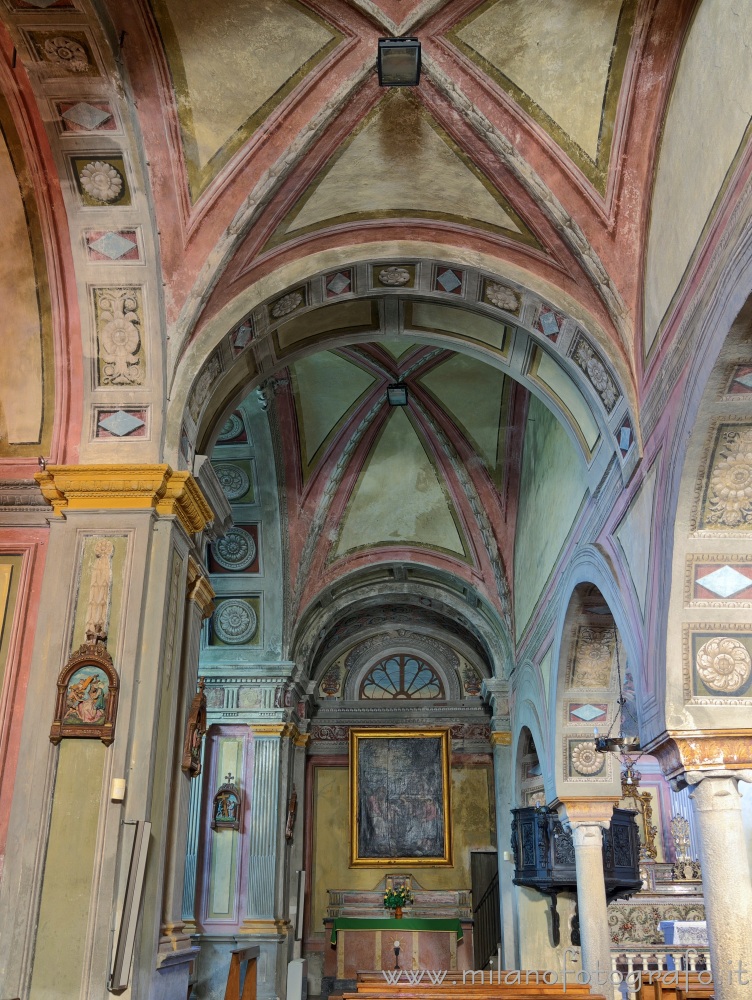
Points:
x=400, y=797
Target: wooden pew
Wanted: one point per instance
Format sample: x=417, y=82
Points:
x=677, y=985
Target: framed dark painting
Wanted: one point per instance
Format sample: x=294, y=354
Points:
x=400, y=806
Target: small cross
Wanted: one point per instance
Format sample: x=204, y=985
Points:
x=229, y=778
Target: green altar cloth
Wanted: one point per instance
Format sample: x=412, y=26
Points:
x=390, y=924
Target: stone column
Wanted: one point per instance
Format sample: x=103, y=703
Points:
x=174, y=936
x=267, y=872
x=496, y=693
x=588, y=819
x=726, y=881
x=503, y=787
x=57, y=917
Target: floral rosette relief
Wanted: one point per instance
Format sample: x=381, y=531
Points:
x=723, y=665
x=729, y=496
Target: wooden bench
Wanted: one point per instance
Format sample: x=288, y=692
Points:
x=454, y=989
x=239, y=957
x=678, y=985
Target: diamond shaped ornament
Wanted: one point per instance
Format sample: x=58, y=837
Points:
x=121, y=424
x=448, y=281
x=745, y=380
x=338, y=283
x=588, y=712
x=86, y=115
x=725, y=582
x=548, y=323
x=113, y=245
x=625, y=438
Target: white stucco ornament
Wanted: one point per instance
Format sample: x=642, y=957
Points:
x=101, y=181
x=394, y=276
x=502, y=297
x=586, y=759
x=287, y=304
x=236, y=550
x=66, y=52
x=723, y=665
x=233, y=480
x=235, y=621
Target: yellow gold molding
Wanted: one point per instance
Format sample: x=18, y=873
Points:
x=302, y=739
x=198, y=589
x=126, y=487
x=580, y=809
x=702, y=750
x=281, y=729
x=501, y=739
x=265, y=927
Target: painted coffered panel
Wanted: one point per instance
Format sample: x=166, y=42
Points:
x=222, y=100
x=400, y=497
x=26, y=386
x=400, y=163
x=708, y=124
x=562, y=61
x=326, y=388
x=476, y=397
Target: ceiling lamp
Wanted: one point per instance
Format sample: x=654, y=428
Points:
x=396, y=394
x=399, y=62
x=621, y=745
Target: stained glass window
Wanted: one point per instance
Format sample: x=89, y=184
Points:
x=401, y=676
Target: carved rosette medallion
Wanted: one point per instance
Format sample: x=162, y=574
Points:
x=233, y=480
x=101, y=181
x=236, y=550
x=586, y=760
x=723, y=665
x=235, y=621
x=729, y=502
x=502, y=297
x=596, y=372
x=394, y=276
x=67, y=53
x=287, y=304
x=231, y=428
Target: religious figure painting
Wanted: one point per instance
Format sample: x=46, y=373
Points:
x=87, y=694
x=399, y=797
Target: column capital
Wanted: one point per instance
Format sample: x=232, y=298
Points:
x=280, y=730
x=126, y=487
x=501, y=738
x=584, y=812
x=198, y=589
x=684, y=752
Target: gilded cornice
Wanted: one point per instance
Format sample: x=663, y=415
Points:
x=501, y=739
x=281, y=729
x=199, y=590
x=702, y=750
x=126, y=487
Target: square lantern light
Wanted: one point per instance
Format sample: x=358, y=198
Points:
x=396, y=394
x=399, y=62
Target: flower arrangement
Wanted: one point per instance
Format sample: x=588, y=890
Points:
x=397, y=896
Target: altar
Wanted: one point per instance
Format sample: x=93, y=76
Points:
x=435, y=933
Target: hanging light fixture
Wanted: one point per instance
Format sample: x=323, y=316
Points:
x=399, y=62
x=621, y=745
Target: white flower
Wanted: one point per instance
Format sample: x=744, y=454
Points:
x=66, y=52
x=502, y=297
x=101, y=181
x=287, y=304
x=586, y=759
x=723, y=664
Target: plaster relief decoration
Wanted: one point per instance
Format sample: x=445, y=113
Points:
x=728, y=492
x=231, y=428
x=718, y=581
x=195, y=729
x=66, y=54
x=594, y=652
x=86, y=116
x=287, y=304
x=209, y=375
x=101, y=181
x=502, y=297
x=724, y=665
x=106, y=245
x=718, y=664
x=585, y=761
x=236, y=551
x=595, y=369
x=226, y=807
x=87, y=688
x=394, y=276
x=120, y=352
x=235, y=621
x=233, y=479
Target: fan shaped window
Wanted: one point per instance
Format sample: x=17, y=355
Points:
x=401, y=676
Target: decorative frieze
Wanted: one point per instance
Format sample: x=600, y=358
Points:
x=118, y=317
